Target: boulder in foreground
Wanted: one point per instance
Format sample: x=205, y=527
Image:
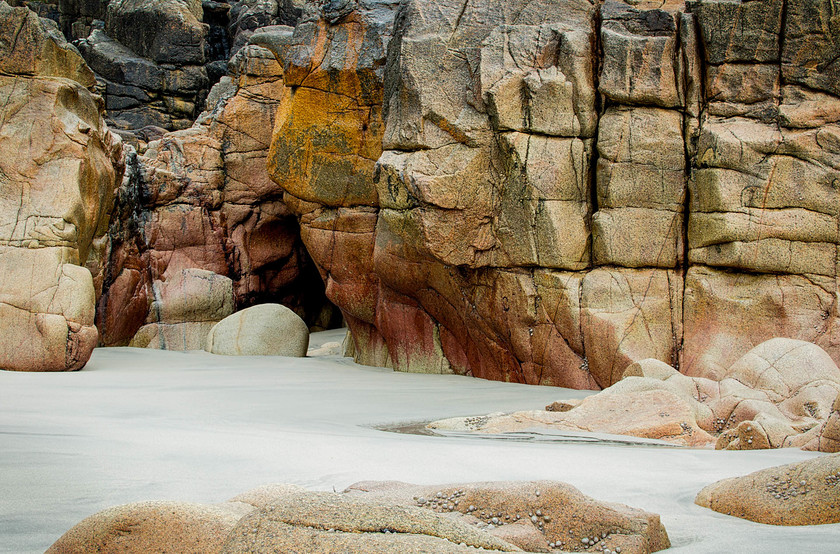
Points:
x=263, y=330
x=376, y=517
x=802, y=493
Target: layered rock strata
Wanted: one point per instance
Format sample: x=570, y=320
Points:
x=548, y=192
x=59, y=169
x=200, y=229
x=150, y=59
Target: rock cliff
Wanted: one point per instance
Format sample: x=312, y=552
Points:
x=199, y=229
x=545, y=192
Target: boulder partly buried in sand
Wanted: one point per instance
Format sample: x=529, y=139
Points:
x=650, y=414
x=263, y=330
x=802, y=493
x=153, y=527
x=376, y=517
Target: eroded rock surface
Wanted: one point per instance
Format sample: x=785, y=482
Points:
x=59, y=168
x=377, y=517
x=548, y=192
x=200, y=230
x=802, y=493
x=782, y=393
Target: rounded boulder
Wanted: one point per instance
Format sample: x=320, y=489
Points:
x=263, y=330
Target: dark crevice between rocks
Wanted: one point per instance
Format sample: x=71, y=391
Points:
x=218, y=42
x=682, y=261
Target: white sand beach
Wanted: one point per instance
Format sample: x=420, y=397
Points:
x=152, y=425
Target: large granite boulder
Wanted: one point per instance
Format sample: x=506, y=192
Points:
x=376, y=517
x=802, y=493
x=184, y=309
x=60, y=166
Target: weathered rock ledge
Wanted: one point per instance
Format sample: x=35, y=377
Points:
x=783, y=393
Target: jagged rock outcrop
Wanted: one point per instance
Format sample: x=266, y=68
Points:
x=75, y=18
x=377, y=516
x=200, y=230
x=550, y=191
x=248, y=16
x=782, y=393
x=150, y=58
x=59, y=168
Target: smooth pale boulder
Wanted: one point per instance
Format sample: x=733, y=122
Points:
x=802, y=493
x=782, y=366
x=146, y=527
x=263, y=330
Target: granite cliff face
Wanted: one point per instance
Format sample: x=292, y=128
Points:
x=542, y=192
x=546, y=192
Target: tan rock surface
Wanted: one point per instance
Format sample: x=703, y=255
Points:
x=60, y=166
x=782, y=393
x=153, y=527
x=802, y=493
x=827, y=437
x=560, y=514
x=32, y=46
x=650, y=414
x=488, y=181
